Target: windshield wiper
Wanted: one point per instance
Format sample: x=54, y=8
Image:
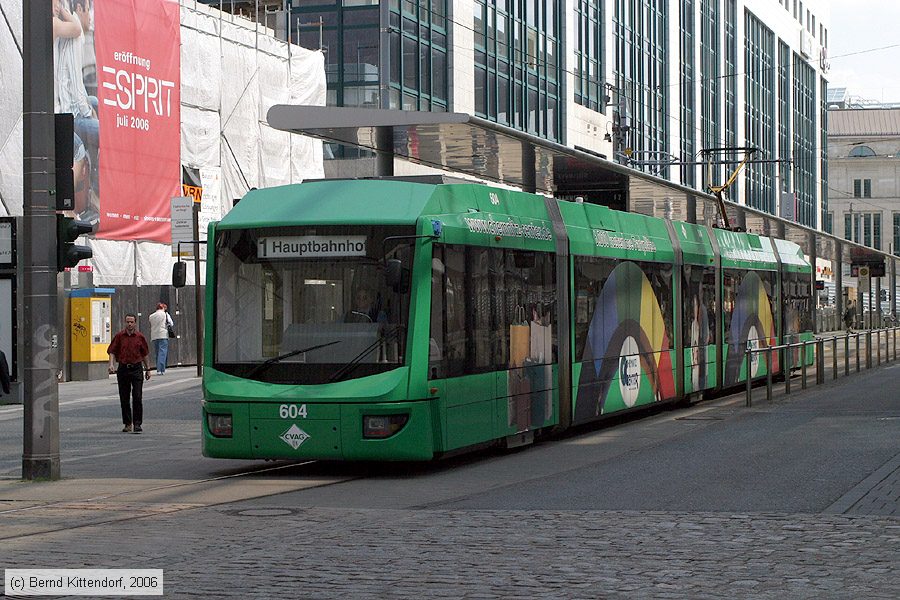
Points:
x=271, y=361
x=357, y=360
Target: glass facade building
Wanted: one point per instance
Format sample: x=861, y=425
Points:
x=646, y=82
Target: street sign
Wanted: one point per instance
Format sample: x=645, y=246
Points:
x=864, y=275
x=7, y=255
x=182, y=225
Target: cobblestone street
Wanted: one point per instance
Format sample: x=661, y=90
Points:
x=329, y=553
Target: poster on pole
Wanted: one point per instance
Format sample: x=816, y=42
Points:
x=117, y=67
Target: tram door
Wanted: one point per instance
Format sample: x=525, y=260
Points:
x=493, y=341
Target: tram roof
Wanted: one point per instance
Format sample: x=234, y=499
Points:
x=463, y=143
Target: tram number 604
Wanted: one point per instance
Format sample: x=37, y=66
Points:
x=292, y=411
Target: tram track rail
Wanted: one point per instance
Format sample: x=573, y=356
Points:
x=118, y=501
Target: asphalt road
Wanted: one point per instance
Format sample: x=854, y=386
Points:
x=798, y=454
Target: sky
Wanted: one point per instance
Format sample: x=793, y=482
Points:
x=861, y=26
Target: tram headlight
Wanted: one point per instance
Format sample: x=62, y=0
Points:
x=383, y=426
x=219, y=425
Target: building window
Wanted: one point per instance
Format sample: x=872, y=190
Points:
x=859, y=151
x=641, y=70
x=710, y=122
x=759, y=92
x=418, y=38
x=784, y=114
x=896, y=248
x=688, y=148
x=823, y=152
x=731, y=109
x=518, y=68
x=876, y=231
x=804, y=133
x=588, y=68
x=862, y=188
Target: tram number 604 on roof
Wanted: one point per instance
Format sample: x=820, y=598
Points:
x=292, y=411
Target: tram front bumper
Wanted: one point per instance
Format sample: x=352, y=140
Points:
x=337, y=431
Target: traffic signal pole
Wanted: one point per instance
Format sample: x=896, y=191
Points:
x=40, y=455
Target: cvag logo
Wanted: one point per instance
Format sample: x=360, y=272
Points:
x=294, y=437
x=629, y=371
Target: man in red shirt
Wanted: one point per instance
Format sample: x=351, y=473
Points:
x=129, y=348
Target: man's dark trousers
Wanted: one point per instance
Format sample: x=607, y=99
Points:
x=131, y=383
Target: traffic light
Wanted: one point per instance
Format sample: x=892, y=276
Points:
x=65, y=178
x=68, y=254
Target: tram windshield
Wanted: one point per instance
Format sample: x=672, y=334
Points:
x=311, y=305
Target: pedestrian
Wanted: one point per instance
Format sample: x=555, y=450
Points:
x=129, y=348
x=160, y=322
x=848, y=316
x=4, y=374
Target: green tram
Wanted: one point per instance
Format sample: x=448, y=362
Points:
x=397, y=320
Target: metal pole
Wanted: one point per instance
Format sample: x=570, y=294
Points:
x=789, y=353
x=40, y=442
x=749, y=400
x=769, y=374
x=846, y=354
x=856, y=335
x=834, y=357
x=868, y=348
x=820, y=361
x=803, y=365
x=198, y=302
x=878, y=347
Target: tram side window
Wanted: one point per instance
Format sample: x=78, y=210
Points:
x=438, y=310
x=478, y=293
x=731, y=284
x=699, y=310
x=797, y=298
x=455, y=318
x=591, y=274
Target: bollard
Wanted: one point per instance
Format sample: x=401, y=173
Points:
x=749, y=400
x=834, y=358
x=820, y=361
x=769, y=374
x=803, y=365
x=856, y=335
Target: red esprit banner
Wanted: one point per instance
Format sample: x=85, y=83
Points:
x=138, y=49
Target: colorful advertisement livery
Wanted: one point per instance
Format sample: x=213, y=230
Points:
x=626, y=360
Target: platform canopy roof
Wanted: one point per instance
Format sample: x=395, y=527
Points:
x=463, y=143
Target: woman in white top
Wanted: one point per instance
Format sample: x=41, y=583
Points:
x=159, y=336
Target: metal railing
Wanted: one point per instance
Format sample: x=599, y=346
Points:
x=890, y=335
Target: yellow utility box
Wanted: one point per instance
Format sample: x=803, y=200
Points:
x=90, y=332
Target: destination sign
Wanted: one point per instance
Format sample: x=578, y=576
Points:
x=312, y=246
